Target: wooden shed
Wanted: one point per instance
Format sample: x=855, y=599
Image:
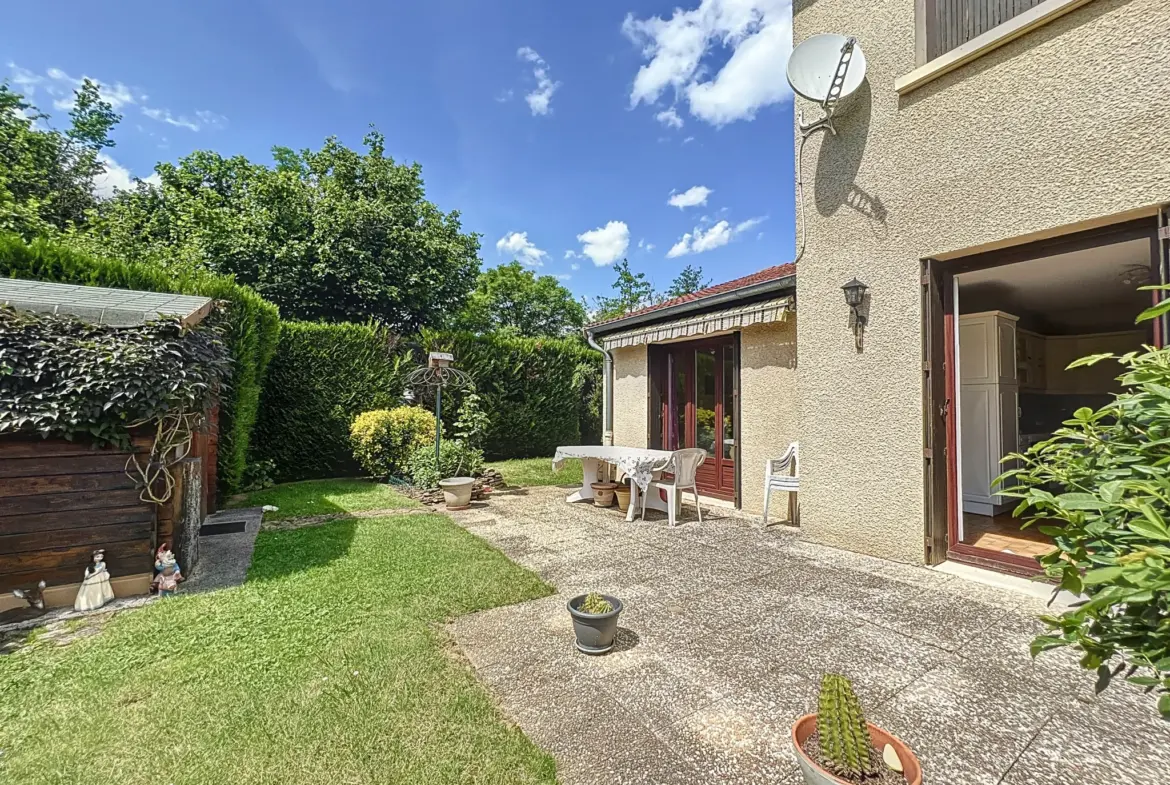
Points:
x=60, y=500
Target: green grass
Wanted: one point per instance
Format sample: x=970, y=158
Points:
x=538, y=471
x=325, y=497
x=326, y=667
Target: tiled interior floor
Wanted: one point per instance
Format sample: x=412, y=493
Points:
x=1003, y=533
x=727, y=631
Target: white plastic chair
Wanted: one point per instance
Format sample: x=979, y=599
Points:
x=783, y=474
x=684, y=466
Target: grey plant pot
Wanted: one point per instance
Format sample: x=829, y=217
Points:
x=457, y=492
x=595, y=632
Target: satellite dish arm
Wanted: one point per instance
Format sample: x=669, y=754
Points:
x=834, y=93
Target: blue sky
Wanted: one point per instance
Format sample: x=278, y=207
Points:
x=560, y=131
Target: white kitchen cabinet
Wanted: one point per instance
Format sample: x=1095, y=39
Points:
x=1031, y=351
x=989, y=405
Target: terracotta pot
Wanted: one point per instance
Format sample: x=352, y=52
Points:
x=457, y=492
x=603, y=493
x=623, y=498
x=815, y=775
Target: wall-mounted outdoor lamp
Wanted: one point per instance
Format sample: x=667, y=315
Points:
x=854, y=297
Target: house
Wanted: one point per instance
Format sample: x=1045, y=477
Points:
x=60, y=500
x=999, y=183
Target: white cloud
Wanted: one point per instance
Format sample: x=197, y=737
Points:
x=692, y=197
x=539, y=99
x=700, y=240
x=518, y=245
x=574, y=266
x=669, y=118
x=645, y=246
x=688, y=140
x=117, y=177
x=605, y=244
x=759, y=35
x=562, y=276
x=203, y=118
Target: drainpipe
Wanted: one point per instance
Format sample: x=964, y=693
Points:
x=607, y=390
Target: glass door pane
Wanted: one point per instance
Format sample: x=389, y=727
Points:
x=678, y=403
x=728, y=402
x=705, y=369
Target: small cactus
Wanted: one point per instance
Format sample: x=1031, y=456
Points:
x=596, y=604
x=843, y=732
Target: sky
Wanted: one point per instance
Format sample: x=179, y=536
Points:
x=568, y=135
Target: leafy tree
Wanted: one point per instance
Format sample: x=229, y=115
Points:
x=688, y=281
x=47, y=175
x=634, y=291
x=517, y=301
x=332, y=234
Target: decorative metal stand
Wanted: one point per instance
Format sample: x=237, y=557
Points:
x=437, y=374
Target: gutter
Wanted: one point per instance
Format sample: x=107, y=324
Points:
x=701, y=304
x=607, y=389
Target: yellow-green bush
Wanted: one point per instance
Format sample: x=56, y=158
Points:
x=384, y=439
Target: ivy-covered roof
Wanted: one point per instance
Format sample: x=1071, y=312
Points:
x=115, y=307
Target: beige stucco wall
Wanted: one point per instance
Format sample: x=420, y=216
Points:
x=768, y=408
x=1067, y=124
x=630, y=396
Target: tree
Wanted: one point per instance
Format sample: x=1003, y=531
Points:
x=47, y=175
x=634, y=291
x=688, y=281
x=332, y=234
x=515, y=300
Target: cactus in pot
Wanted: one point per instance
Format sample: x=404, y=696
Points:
x=843, y=731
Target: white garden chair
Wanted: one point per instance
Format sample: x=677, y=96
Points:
x=685, y=465
x=783, y=474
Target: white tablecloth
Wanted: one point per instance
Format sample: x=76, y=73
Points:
x=638, y=463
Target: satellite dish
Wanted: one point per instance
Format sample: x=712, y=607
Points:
x=814, y=65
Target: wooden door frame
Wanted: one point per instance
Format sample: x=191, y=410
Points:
x=669, y=352
x=939, y=322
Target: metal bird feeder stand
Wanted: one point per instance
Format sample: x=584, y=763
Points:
x=437, y=374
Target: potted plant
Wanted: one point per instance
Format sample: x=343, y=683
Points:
x=603, y=493
x=623, y=496
x=836, y=746
x=595, y=621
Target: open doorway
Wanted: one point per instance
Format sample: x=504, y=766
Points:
x=1010, y=322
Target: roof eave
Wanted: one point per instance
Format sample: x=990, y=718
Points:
x=692, y=306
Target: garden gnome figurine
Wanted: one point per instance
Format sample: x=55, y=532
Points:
x=95, y=588
x=167, y=581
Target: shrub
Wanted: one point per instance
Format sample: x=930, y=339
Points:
x=384, y=439
x=251, y=327
x=324, y=375
x=1112, y=542
x=538, y=392
x=456, y=459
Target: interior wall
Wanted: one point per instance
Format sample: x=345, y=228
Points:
x=1044, y=132
x=630, y=396
x=769, y=408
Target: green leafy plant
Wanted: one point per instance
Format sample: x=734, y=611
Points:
x=595, y=604
x=1108, y=523
x=456, y=459
x=324, y=375
x=257, y=476
x=846, y=747
x=384, y=439
x=471, y=421
x=251, y=328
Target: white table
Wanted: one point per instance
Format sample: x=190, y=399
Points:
x=639, y=464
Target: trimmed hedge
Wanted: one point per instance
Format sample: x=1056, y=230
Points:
x=252, y=325
x=538, y=392
x=322, y=377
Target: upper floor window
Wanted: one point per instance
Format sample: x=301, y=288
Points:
x=952, y=23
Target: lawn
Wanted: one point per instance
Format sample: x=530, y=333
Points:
x=538, y=471
x=325, y=497
x=327, y=666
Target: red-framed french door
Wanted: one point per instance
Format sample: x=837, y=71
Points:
x=943, y=492
x=693, y=403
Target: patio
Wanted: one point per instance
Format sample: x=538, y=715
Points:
x=727, y=631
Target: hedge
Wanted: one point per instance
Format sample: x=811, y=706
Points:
x=324, y=375
x=252, y=324
x=538, y=392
